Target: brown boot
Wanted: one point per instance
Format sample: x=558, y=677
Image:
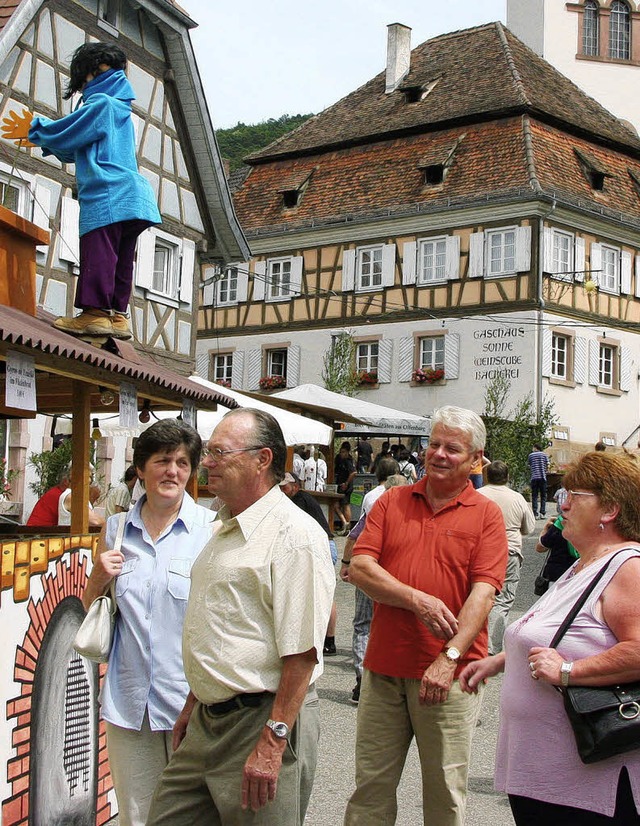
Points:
x=88, y=323
x=120, y=325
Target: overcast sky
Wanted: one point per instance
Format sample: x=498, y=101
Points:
x=261, y=59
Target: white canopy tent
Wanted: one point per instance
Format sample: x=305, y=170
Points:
x=374, y=418
x=296, y=429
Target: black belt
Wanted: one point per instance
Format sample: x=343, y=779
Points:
x=239, y=701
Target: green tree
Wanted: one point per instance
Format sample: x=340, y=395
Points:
x=243, y=139
x=338, y=372
x=48, y=466
x=512, y=433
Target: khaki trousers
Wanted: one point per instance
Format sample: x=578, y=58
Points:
x=202, y=784
x=389, y=716
x=137, y=759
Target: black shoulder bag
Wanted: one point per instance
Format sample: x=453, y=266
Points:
x=605, y=719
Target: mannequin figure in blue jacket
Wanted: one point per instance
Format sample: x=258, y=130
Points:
x=116, y=202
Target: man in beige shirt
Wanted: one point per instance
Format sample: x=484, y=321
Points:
x=258, y=609
x=519, y=521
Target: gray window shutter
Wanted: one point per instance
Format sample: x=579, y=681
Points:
x=144, y=260
x=188, y=260
x=202, y=365
x=388, y=265
x=41, y=209
x=237, y=369
x=476, y=255
x=259, y=281
x=405, y=359
x=547, y=338
x=451, y=356
x=523, y=249
x=579, y=259
x=209, y=290
x=243, y=280
x=296, y=274
x=637, y=275
x=69, y=237
x=452, y=263
x=594, y=362
x=579, y=359
x=596, y=262
x=625, y=273
x=254, y=370
x=348, y=270
x=293, y=365
x=625, y=369
x=409, y=261
x=385, y=347
x=548, y=249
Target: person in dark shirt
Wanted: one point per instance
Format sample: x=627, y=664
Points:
x=344, y=472
x=364, y=449
x=292, y=487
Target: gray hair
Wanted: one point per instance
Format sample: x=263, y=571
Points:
x=395, y=480
x=266, y=433
x=459, y=418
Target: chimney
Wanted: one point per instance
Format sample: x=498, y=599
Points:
x=398, y=55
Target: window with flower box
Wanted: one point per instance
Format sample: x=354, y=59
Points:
x=223, y=369
x=426, y=358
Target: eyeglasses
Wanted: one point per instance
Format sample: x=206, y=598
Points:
x=217, y=454
x=572, y=493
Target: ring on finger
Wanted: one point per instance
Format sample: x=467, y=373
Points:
x=532, y=667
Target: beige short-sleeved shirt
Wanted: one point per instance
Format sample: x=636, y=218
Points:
x=261, y=590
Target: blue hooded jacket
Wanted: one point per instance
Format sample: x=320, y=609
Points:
x=99, y=138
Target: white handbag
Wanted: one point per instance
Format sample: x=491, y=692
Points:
x=94, y=638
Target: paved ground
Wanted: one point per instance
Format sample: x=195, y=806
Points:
x=334, y=778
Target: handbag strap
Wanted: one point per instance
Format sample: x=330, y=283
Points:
x=544, y=562
x=116, y=547
x=584, y=596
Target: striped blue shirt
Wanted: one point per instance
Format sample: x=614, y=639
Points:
x=538, y=464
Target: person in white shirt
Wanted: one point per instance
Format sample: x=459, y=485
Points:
x=519, y=521
x=315, y=472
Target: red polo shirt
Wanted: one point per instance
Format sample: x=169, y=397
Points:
x=45, y=510
x=442, y=554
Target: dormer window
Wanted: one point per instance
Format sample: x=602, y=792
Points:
x=294, y=189
x=434, y=174
x=635, y=177
x=436, y=163
x=413, y=94
x=592, y=170
x=290, y=198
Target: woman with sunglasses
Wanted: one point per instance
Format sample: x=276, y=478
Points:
x=145, y=687
x=537, y=761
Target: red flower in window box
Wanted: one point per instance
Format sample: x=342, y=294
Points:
x=224, y=383
x=427, y=376
x=272, y=382
x=367, y=377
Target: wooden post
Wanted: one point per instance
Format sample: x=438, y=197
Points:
x=80, y=471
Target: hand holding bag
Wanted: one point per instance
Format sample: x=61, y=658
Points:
x=94, y=638
x=605, y=719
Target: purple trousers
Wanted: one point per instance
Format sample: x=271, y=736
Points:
x=106, y=266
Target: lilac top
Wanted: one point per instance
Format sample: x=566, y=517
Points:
x=537, y=755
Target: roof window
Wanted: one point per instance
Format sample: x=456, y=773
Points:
x=593, y=170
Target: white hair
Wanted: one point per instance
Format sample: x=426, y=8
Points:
x=459, y=418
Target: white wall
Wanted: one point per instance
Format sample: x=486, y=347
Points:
x=547, y=27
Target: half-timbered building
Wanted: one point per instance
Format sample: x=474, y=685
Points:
x=467, y=213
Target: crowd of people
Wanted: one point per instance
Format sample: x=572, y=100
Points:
x=224, y=618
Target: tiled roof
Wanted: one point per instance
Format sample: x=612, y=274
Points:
x=48, y=345
x=484, y=72
x=7, y=8
x=387, y=177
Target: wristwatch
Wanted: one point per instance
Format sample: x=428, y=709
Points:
x=565, y=671
x=451, y=653
x=280, y=730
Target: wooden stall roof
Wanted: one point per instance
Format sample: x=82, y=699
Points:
x=62, y=360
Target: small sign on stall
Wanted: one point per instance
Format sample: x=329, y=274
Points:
x=128, y=405
x=20, y=387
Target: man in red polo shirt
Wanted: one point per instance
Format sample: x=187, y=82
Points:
x=45, y=510
x=432, y=556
